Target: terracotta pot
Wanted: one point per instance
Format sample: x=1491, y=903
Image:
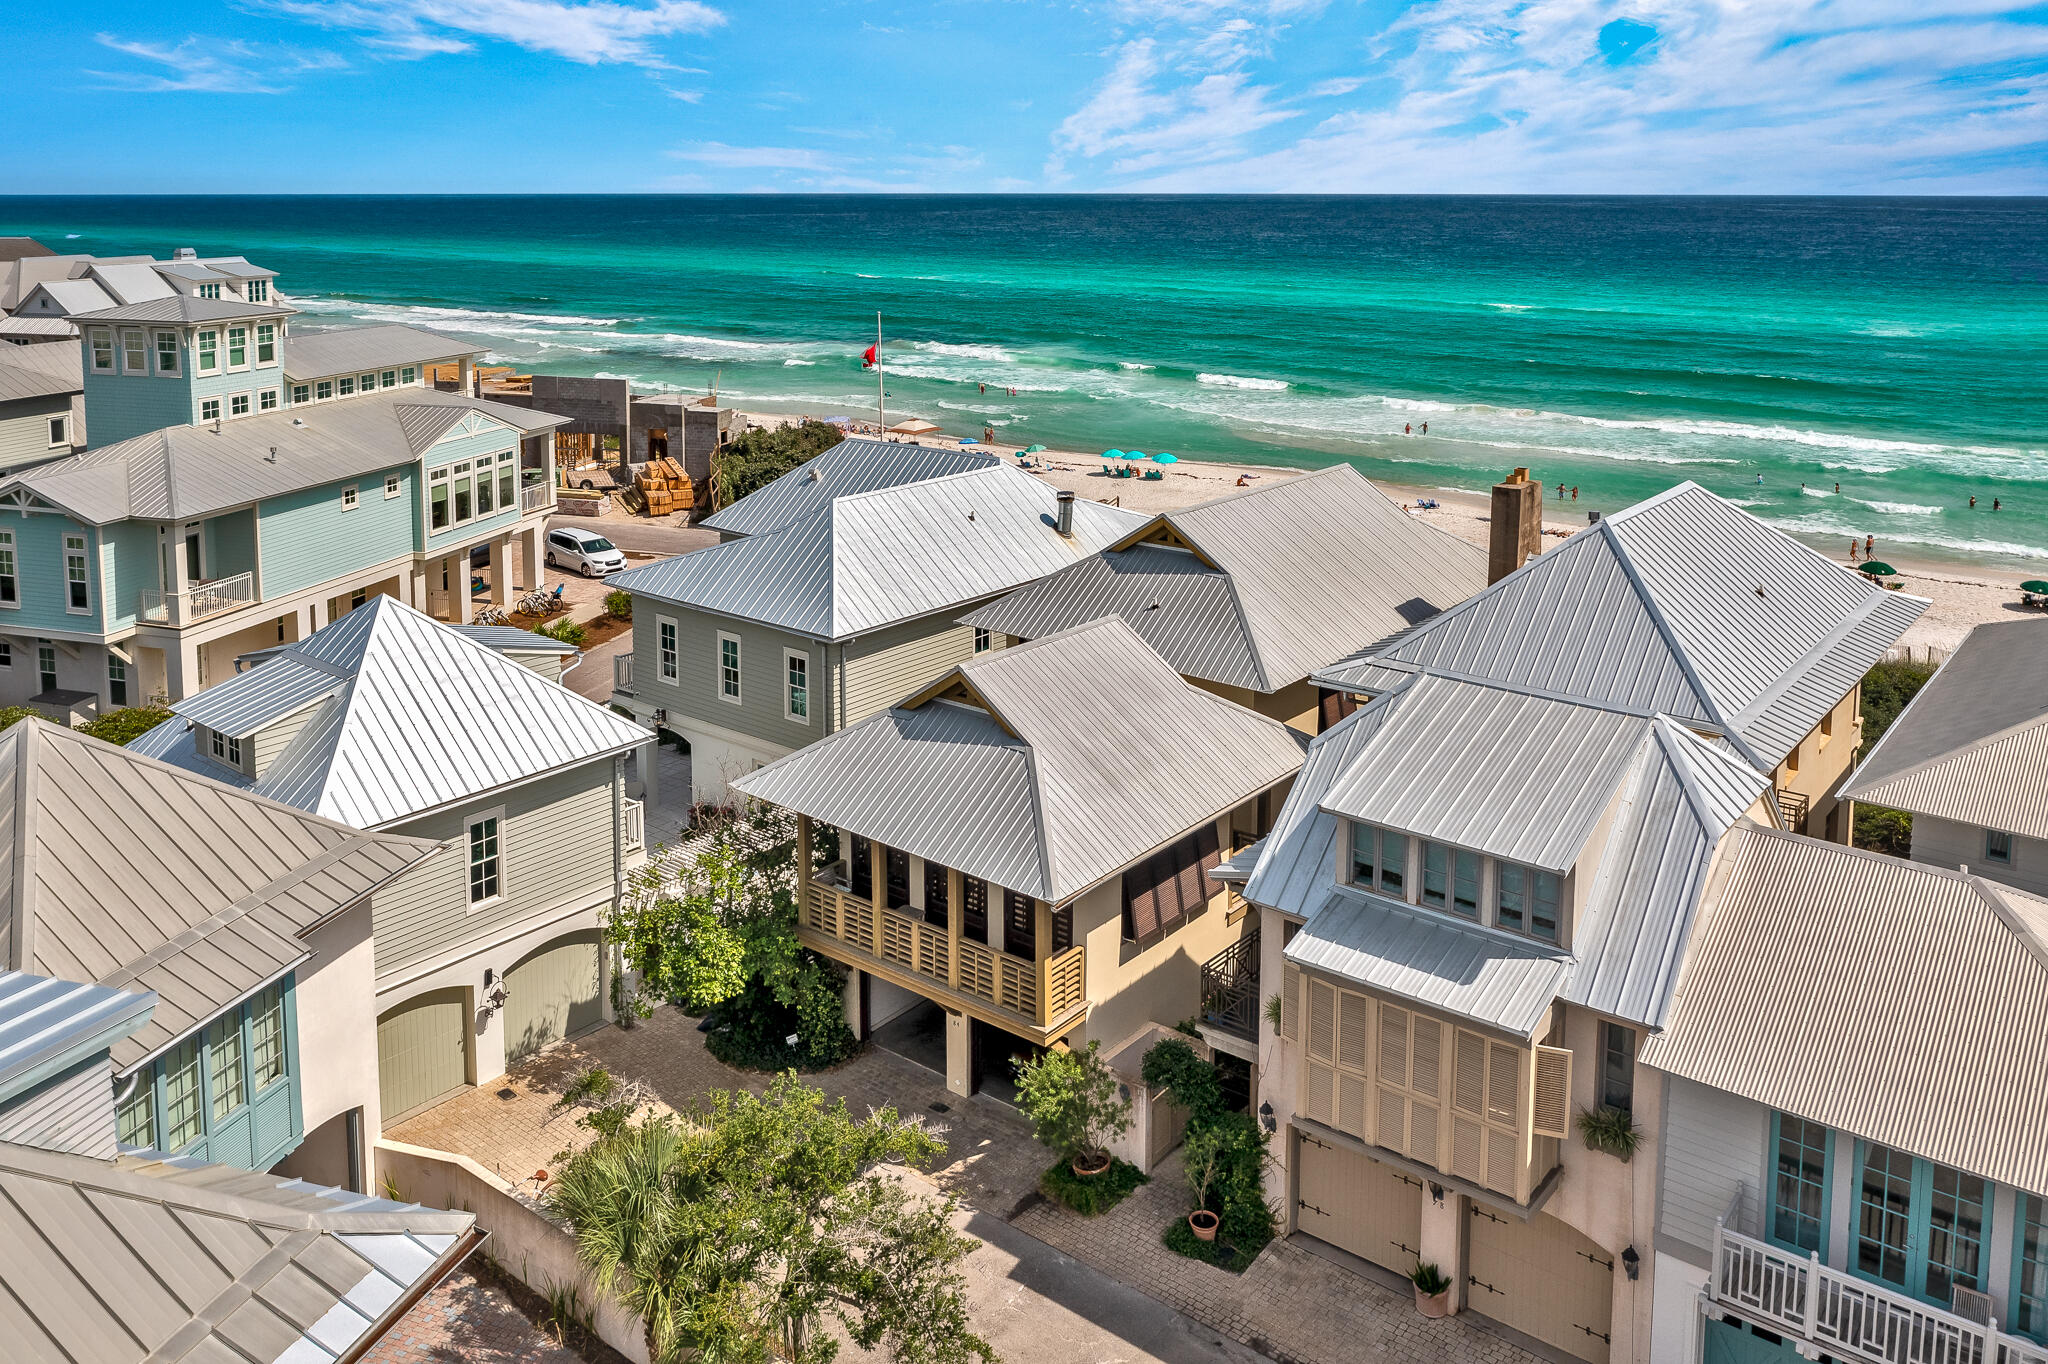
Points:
x=1202, y=1223
x=1087, y=1171
x=1433, y=1305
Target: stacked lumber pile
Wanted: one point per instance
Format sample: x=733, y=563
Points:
x=665, y=487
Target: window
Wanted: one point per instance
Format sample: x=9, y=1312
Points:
x=227, y=748
x=464, y=486
x=224, y=1066
x=486, y=498
x=209, y=409
x=1450, y=880
x=209, y=351
x=507, y=477
x=728, y=668
x=1020, y=925
x=2030, y=1287
x=345, y=385
x=391, y=485
x=266, y=1037
x=797, y=667
x=405, y=376
x=183, y=1121
x=117, y=679
x=437, y=499
x=983, y=641
x=1365, y=853
x=895, y=878
x=103, y=350
x=367, y=383
x=60, y=430
x=258, y=290
x=238, y=348
x=77, y=591
x=166, y=352
x=323, y=390
x=1997, y=846
x=135, y=1123
x=358, y=597
x=134, y=352
x=301, y=395
x=1799, y=1182
x=665, y=645
x=1526, y=902
x=238, y=406
x=1919, y=1226
x=1617, y=1067
x=974, y=908
x=349, y=497
x=483, y=860
x=46, y=666
x=1379, y=858
x=6, y=654
x=266, y=343
x=1171, y=886
x=267, y=400
x=10, y=589
x=390, y=378
x=209, y=291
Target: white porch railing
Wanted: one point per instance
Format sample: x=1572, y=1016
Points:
x=622, y=673
x=201, y=601
x=1844, y=1316
x=534, y=496
x=633, y=824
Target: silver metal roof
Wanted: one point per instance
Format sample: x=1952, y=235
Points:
x=183, y=472
x=153, y=1258
x=343, y=350
x=866, y=560
x=399, y=736
x=1902, y=1002
x=1237, y=868
x=47, y=1026
x=1048, y=776
x=73, y=297
x=1973, y=744
x=26, y=372
x=512, y=639
x=122, y=871
x=1300, y=859
x=184, y=308
x=130, y=284
x=36, y=326
x=852, y=466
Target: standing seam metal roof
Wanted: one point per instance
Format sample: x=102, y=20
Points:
x=340, y=350
x=852, y=466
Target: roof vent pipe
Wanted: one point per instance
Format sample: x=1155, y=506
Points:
x=1066, y=523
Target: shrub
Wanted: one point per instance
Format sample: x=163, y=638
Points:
x=1072, y=1101
x=13, y=715
x=1225, y=1158
x=1887, y=688
x=751, y=1031
x=563, y=629
x=618, y=604
x=1090, y=1194
x=126, y=725
x=1174, y=1066
x=1881, y=830
x=759, y=457
x=1222, y=1252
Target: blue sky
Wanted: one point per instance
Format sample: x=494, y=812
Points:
x=1665, y=96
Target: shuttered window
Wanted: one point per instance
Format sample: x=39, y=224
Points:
x=974, y=908
x=935, y=899
x=896, y=863
x=1062, y=928
x=863, y=865
x=1171, y=885
x=1332, y=706
x=1020, y=925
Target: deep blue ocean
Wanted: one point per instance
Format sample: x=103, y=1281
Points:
x=1896, y=347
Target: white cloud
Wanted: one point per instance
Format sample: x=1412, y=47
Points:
x=211, y=65
x=587, y=31
x=754, y=158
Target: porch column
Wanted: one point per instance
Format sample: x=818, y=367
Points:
x=458, y=576
x=959, y=1053
x=956, y=924
x=649, y=757
x=529, y=553
x=501, y=570
x=181, y=668
x=1443, y=1240
x=416, y=587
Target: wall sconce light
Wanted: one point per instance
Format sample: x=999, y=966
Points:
x=1266, y=1118
x=1123, y=1092
x=1436, y=1193
x=1631, y=1262
x=495, y=993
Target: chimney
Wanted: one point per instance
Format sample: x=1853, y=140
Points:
x=1517, y=525
x=1066, y=501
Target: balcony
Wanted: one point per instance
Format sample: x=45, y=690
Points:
x=1796, y=806
x=536, y=497
x=1230, y=988
x=633, y=825
x=200, y=601
x=1841, y=1315
x=622, y=673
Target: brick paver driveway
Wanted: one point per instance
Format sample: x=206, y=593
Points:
x=466, y=1321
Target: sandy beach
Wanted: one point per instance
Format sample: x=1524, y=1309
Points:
x=1959, y=602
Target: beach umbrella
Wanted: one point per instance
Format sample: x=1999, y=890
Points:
x=1164, y=457
x=2034, y=585
x=1135, y=454
x=1877, y=570
x=1114, y=454
x=1034, y=449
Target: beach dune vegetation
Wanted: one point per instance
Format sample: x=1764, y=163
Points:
x=761, y=456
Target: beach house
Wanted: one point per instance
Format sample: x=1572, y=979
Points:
x=44, y=293
x=1968, y=759
x=1854, y=1163
x=1015, y=854
x=42, y=405
x=387, y=720
x=1251, y=593
x=859, y=465
x=835, y=607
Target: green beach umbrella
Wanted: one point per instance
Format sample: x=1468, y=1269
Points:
x=1034, y=449
x=1165, y=457
x=1877, y=570
x=2034, y=585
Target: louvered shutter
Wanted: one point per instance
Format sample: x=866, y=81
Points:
x=1354, y=1031
x=1318, y=1101
x=1351, y=1105
x=1290, y=1003
x=1322, y=1022
x=1425, y=1055
x=1468, y=1092
x=1553, y=1092
x=1392, y=1130
x=1503, y=1084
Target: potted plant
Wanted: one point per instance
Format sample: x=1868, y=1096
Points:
x=1432, y=1290
x=1072, y=1100
x=1612, y=1130
x=1200, y=1159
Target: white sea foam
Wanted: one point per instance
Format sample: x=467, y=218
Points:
x=1239, y=381
x=478, y=318
x=1512, y=307
x=1899, y=508
x=1815, y=492
x=968, y=352
x=1131, y=365
x=1854, y=467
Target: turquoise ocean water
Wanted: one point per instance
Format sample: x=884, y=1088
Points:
x=1898, y=348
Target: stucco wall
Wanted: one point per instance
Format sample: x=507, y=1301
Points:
x=337, y=1012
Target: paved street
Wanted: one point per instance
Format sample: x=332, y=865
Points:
x=660, y=536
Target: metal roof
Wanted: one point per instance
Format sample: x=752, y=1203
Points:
x=185, y=309
x=128, y=873
x=1501, y=772
x=852, y=466
x=512, y=639
x=132, y=283
x=182, y=472
x=47, y=1026
x=1040, y=773
x=237, y=267
x=866, y=560
x=1902, y=1002
x=73, y=297
x=1238, y=867
x=339, y=350
x=1683, y=605
x=1973, y=744
x=399, y=736
x=1300, y=859
x=156, y=1258
x=26, y=374
x=36, y=326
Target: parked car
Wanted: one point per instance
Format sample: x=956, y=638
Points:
x=591, y=555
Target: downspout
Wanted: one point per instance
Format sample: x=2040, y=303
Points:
x=621, y=1011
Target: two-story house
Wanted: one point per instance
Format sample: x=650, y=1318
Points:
x=756, y=647
x=1249, y=594
x=1855, y=1115
x=1018, y=850
x=390, y=721
x=857, y=465
x=145, y=567
x=247, y=919
x=1968, y=759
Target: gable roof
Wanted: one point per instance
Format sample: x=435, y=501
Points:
x=871, y=559
x=131, y=282
x=1902, y=1002
x=309, y=354
x=70, y=297
x=395, y=733
x=156, y=1258
x=852, y=466
x=1973, y=743
x=1274, y=583
x=126, y=872
x=1683, y=605
x=16, y=248
x=184, y=308
x=183, y=472
x=27, y=373
x=1072, y=757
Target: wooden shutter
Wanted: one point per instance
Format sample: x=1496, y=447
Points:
x=935, y=906
x=1020, y=925
x=1391, y=1130
x=1062, y=928
x=1332, y=706
x=1504, y=1084
x=1171, y=884
x=1354, y=1032
x=1351, y=1105
x=1468, y=1093
x=1553, y=1092
x=1425, y=1056
x=974, y=908
x=1290, y=1002
x=1322, y=1022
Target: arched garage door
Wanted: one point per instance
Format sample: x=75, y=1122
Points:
x=1359, y=1205
x=555, y=993
x=422, y=1052
x=1542, y=1278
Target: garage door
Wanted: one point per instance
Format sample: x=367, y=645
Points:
x=1359, y=1205
x=1543, y=1279
x=553, y=994
x=421, y=1052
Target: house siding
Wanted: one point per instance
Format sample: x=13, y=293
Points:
x=266, y=743
x=70, y=1112
x=1713, y=1144
x=453, y=450
x=128, y=567
x=39, y=566
x=309, y=539
x=124, y=405
x=556, y=843
x=888, y=665
x=694, y=694
x=25, y=429
x=1949, y=843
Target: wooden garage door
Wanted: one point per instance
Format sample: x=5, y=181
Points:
x=554, y=994
x=1359, y=1205
x=1543, y=1279
x=422, y=1054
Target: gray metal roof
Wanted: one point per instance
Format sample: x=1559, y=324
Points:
x=871, y=559
x=47, y=1026
x=132, y=283
x=73, y=297
x=236, y=267
x=128, y=873
x=343, y=350
x=512, y=639
x=1505, y=773
x=1238, y=867
x=1973, y=744
x=182, y=472
x=159, y=1259
x=27, y=373
x=1902, y=1002
x=1300, y=858
x=36, y=326
x=399, y=736
x=247, y=713
x=184, y=308
x=1683, y=605
x=1045, y=776
x=852, y=466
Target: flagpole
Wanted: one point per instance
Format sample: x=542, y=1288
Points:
x=881, y=400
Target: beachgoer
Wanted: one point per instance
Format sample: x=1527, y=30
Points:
x=1759, y=479
x=1973, y=501
x=1560, y=490
x=982, y=387
x=1852, y=551
x=1575, y=492
x=1995, y=504
x=1869, y=544
x=988, y=435
x=1243, y=482
x=1407, y=428
x=1838, y=487
x=1425, y=428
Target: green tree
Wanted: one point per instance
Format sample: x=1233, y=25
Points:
x=1883, y=830
x=1071, y=1099
x=759, y=457
x=1887, y=689
x=738, y=1231
x=1175, y=1067
x=125, y=725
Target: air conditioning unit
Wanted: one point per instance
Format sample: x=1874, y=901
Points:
x=1971, y=1305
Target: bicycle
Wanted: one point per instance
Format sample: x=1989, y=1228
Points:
x=491, y=615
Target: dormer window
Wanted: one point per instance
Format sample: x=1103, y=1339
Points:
x=1526, y=901
x=258, y=290
x=1450, y=880
x=228, y=749
x=209, y=291
x=1379, y=860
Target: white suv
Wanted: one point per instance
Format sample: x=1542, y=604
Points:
x=591, y=555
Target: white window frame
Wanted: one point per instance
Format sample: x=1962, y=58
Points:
x=984, y=639
x=301, y=394
x=200, y=348
x=226, y=749
x=366, y=383
x=344, y=385
x=157, y=338
x=469, y=824
x=244, y=400
x=210, y=290
x=234, y=365
x=6, y=654
x=390, y=378
x=789, y=711
x=206, y=416
x=134, y=343
x=101, y=341
x=392, y=486
x=323, y=389
x=266, y=401
x=60, y=430
x=668, y=655
x=76, y=544
x=266, y=343
x=351, y=497
x=407, y=375
x=441, y=477
x=739, y=655
x=257, y=291
x=10, y=572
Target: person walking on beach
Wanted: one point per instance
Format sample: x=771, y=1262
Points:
x=988, y=435
x=1852, y=551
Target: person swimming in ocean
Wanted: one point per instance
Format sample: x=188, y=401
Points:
x=1575, y=492
x=1973, y=501
x=1995, y=504
x=1425, y=428
x=1759, y=479
x=1407, y=428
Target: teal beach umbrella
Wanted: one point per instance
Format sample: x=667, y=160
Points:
x=1034, y=449
x=1165, y=457
x=1114, y=454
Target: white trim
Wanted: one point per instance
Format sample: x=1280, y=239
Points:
x=93, y=337
x=199, y=365
x=61, y=425
x=156, y=340
x=272, y=405
x=393, y=484
x=228, y=344
x=787, y=712
x=469, y=823
x=256, y=343
x=351, y=497
x=64, y=571
x=248, y=405
x=141, y=339
x=216, y=409
x=14, y=554
x=668, y=663
x=738, y=669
